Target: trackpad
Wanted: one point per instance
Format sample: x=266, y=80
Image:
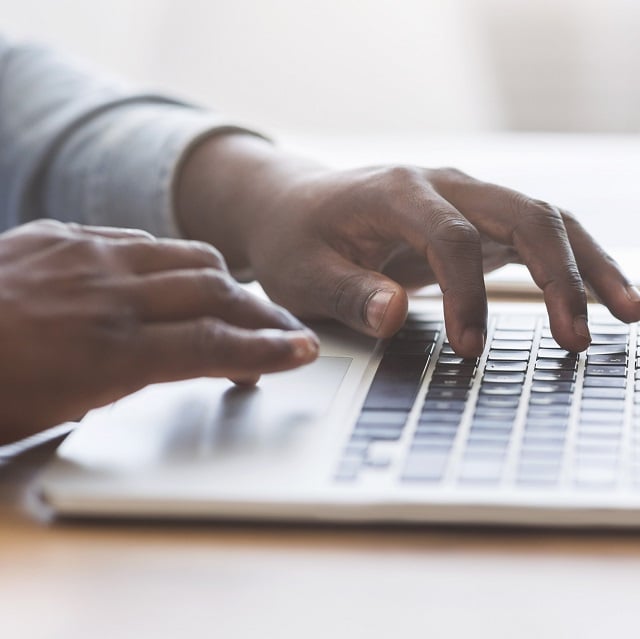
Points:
x=198, y=420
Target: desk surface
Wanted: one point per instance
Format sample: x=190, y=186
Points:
x=116, y=580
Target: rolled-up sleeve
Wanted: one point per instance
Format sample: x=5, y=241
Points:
x=76, y=145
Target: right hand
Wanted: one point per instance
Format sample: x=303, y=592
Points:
x=89, y=315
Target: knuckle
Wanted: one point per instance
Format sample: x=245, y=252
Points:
x=209, y=253
x=448, y=175
x=47, y=227
x=206, y=337
x=446, y=228
x=401, y=182
x=537, y=212
x=402, y=173
x=218, y=285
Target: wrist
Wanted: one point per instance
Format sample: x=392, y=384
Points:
x=229, y=186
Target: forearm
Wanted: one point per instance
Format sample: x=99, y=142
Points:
x=229, y=182
x=78, y=145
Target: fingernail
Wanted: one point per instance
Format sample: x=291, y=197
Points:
x=305, y=345
x=633, y=293
x=473, y=340
x=581, y=328
x=376, y=308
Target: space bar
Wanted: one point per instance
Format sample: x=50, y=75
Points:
x=396, y=382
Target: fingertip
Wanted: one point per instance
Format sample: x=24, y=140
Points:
x=251, y=380
x=305, y=346
x=472, y=342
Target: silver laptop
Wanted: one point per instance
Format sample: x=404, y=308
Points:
x=393, y=431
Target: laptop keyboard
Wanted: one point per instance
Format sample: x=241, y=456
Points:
x=527, y=414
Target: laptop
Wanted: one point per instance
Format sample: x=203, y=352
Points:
x=395, y=431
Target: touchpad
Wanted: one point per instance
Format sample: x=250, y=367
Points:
x=208, y=418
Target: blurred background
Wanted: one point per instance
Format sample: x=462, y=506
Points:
x=362, y=66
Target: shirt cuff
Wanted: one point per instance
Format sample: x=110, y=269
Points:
x=120, y=167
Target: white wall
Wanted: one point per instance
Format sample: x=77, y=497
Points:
x=368, y=65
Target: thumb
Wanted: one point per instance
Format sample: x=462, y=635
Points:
x=365, y=300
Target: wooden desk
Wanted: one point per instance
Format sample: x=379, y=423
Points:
x=79, y=580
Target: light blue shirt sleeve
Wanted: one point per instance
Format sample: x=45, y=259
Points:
x=76, y=145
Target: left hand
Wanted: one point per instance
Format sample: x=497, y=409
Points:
x=347, y=244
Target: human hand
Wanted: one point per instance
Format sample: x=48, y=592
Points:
x=90, y=315
x=345, y=244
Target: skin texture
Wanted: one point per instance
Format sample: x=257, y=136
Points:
x=90, y=315
x=347, y=244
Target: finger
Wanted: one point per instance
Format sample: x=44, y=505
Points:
x=212, y=348
x=329, y=285
x=452, y=247
x=188, y=294
x=251, y=380
x=112, y=232
x=165, y=254
x=602, y=274
x=536, y=231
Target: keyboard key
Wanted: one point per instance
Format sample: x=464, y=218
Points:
x=550, y=399
x=512, y=345
x=439, y=416
x=509, y=377
x=443, y=405
x=396, y=382
x=593, y=392
x=423, y=465
x=451, y=381
x=605, y=339
x=347, y=470
x=614, y=358
x=545, y=427
x=555, y=353
x=506, y=366
x=410, y=334
x=566, y=364
x=500, y=389
x=600, y=431
x=601, y=417
x=368, y=433
x=547, y=412
x=452, y=369
x=554, y=375
x=417, y=347
x=495, y=428
x=500, y=335
x=500, y=356
x=481, y=470
x=497, y=414
x=552, y=387
x=388, y=418
x=605, y=382
x=543, y=440
x=607, y=349
x=456, y=360
x=595, y=477
x=438, y=392
x=609, y=328
x=499, y=401
x=609, y=405
x=593, y=370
